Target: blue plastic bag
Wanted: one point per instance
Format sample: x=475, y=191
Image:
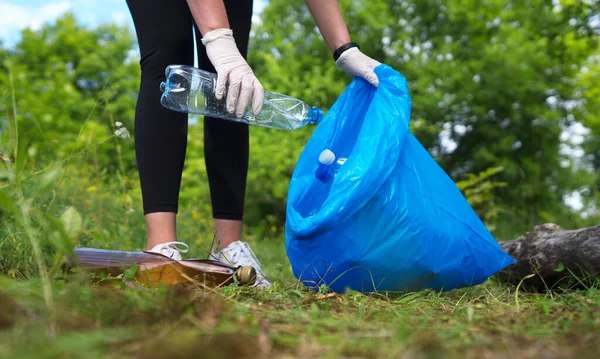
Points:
x=391, y=219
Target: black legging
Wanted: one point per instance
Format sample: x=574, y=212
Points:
x=165, y=37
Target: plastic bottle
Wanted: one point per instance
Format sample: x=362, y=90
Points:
x=191, y=90
x=154, y=269
x=328, y=166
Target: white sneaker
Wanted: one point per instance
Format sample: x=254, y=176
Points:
x=239, y=254
x=170, y=249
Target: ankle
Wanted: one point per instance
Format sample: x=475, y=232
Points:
x=161, y=228
x=227, y=231
x=227, y=242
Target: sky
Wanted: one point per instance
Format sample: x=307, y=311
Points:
x=16, y=15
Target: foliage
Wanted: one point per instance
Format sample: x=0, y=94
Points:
x=479, y=192
x=72, y=83
x=481, y=73
x=67, y=86
x=490, y=87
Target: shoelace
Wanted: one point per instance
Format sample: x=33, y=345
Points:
x=174, y=246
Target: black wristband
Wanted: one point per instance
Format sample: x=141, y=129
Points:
x=338, y=52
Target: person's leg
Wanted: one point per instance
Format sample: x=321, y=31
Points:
x=226, y=147
x=226, y=143
x=165, y=37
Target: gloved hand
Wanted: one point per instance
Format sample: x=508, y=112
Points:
x=355, y=63
x=230, y=65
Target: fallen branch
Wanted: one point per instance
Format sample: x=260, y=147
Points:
x=320, y=297
x=555, y=256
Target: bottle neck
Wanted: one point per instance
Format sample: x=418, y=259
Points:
x=315, y=115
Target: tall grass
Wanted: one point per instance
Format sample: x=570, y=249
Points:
x=50, y=207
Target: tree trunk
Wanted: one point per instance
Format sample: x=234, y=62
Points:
x=556, y=258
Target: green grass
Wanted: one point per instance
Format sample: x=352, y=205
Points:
x=73, y=318
x=116, y=321
x=47, y=210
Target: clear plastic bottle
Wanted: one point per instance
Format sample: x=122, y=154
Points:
x=191, y=90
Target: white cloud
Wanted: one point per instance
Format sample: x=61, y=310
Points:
x=17, y=17
x=49, y=12
x=90, y=18
x=11, y=17
x=260, y=5
x=258, y=8
x=119, y=18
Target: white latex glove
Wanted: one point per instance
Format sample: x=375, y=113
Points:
x=231, y=65
x=357, y=64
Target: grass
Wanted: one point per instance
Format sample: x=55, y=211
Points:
x=47, y=211
x=117, y=321
x=73, y=318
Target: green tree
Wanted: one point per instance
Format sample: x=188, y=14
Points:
x=590, y=117
x=71, y=85
x=492, y=81
x=491, y=89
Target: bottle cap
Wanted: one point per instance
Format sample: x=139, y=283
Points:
x=326, y=157
x=315, y=115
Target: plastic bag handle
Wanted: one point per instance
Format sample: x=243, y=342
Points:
x=383, y=132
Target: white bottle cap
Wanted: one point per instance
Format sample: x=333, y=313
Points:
x=326, y=157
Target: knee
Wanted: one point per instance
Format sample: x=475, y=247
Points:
x=154, y=62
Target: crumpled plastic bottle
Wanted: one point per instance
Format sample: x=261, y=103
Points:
x=154, y=269
x=191, y=90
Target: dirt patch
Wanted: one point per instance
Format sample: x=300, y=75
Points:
x=10, y=311
x=117, y=306
x=67, y=321
x=193, y=343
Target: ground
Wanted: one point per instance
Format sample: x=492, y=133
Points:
x=116, y=321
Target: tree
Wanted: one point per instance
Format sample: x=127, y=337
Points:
x=490, y=86
x=71, y=84
x=589, y=115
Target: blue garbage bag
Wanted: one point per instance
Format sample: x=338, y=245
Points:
x=391, y=219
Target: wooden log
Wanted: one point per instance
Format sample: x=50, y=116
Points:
x=556, y=257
